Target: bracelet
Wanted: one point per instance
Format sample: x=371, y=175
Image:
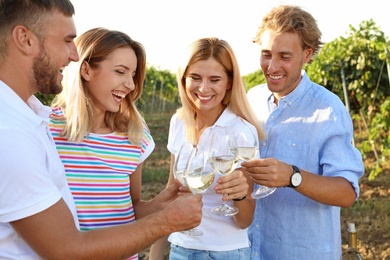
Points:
x=240, y=199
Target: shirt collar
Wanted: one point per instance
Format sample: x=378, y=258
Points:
x=298, y=91
x=225, y=118
x=34, y=111
x=41, y=110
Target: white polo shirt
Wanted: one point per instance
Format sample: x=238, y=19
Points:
x=32, y=176
x=220, y=233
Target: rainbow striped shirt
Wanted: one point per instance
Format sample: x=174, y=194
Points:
x=98, y=171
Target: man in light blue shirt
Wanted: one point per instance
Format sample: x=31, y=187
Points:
x=308, y=153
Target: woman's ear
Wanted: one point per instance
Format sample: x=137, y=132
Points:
x=85, y=71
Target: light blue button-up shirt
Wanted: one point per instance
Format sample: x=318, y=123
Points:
x=310, y=128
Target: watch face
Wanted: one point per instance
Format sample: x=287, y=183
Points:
x=296, y=179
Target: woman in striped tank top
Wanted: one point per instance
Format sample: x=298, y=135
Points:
x=100, y=135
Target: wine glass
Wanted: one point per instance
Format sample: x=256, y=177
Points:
x=198, y=177
x=189, y=156
x=223, y=161
x=245, y=145
x=181, y=161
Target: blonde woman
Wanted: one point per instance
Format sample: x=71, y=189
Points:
x=212, y=96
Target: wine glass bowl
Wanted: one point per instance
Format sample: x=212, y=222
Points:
x=198, y=178
x=181, y=160
x=224, y=164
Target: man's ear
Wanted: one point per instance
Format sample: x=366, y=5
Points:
x=85, y=71
x=308, y=54
x=25, y=40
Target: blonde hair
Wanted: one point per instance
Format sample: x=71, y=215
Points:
x=235, y=97
x=94, y=46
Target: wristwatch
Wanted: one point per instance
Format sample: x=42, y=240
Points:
x=296, y=177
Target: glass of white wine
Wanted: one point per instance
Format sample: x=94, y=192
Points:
x=245, y=145
x=189, y=169
x=223, y=161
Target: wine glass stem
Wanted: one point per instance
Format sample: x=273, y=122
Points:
x=224, y=204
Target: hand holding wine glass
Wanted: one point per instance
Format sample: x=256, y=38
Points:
x=223, y=161
x=245, y=145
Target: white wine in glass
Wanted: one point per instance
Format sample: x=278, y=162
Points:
x=223, y=161
x=245, y=145
x=189, y=160
x=199, y=181
x=197, y=177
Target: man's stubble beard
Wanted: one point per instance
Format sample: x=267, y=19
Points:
x=45, y=74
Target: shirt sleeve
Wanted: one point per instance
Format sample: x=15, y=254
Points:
x=148, y=145
x=338, y=156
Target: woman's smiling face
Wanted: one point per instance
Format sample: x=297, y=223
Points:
x=206, y=85
x=112, y=80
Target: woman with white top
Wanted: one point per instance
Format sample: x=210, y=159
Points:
x=212, y=96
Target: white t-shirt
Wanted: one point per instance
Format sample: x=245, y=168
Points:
x=32, y=176
x=220, y=233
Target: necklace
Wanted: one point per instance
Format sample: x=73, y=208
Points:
x=102, y=129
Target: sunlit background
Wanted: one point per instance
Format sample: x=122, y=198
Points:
x=165, y=28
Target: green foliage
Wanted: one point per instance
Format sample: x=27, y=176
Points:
x=160, y=92
x=362, y=58
x=253, y=79
x=379, y=138
x=45, y=99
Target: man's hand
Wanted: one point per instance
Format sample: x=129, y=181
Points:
x=185, y=212
x=268, y=172
x=167, y=195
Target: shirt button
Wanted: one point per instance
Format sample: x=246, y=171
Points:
x=293, y=145
x=264, y=143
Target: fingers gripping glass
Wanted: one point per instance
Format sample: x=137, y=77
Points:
x=245, y=145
